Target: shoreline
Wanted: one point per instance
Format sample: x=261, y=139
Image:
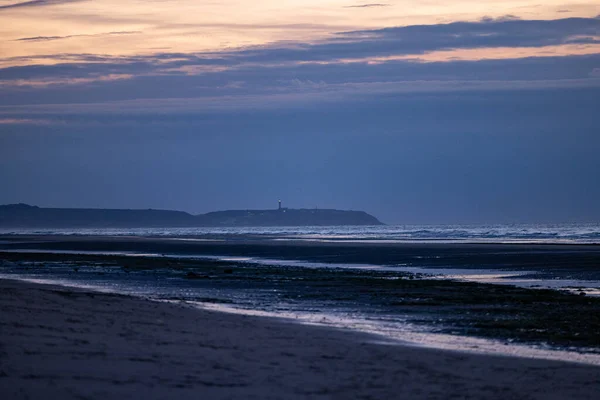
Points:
x=80, y=343
x=498, y=311
x=494, y=347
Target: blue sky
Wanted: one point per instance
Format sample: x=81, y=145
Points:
x=452, y=115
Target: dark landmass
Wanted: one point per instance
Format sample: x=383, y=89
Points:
x=26, y=216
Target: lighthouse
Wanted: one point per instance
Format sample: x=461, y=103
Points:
x=279, y=205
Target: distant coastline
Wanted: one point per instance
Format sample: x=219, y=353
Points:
x=28, y=216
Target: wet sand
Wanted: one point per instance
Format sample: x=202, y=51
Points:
x=59, y=342
x=560, y=259
x=504, y=312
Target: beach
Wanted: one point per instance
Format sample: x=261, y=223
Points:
x=60, y=342
x=254, y=317
x=540, y=295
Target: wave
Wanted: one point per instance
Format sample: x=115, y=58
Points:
x=516, y=233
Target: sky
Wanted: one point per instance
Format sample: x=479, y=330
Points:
x=416, y=111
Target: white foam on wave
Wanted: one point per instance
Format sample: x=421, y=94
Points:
x=515, y=233
x=403, y=333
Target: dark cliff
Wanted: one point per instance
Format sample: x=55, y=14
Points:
x=25, y=216
x=287, y=217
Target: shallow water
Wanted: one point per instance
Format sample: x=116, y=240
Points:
x=521, y=278
x=275, y=296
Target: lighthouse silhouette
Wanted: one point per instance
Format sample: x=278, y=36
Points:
x=279, y=205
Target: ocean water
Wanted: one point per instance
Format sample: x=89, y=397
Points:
x=513, y=233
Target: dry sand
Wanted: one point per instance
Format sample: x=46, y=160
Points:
x=58, y=342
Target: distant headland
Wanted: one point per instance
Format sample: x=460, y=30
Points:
x=27, y=216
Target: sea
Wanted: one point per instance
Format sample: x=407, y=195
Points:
x=511, y=233
x=274, y=296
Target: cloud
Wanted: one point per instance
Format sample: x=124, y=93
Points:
x=330, y=70
x=48, y=38
x=42, y=38
x=36, y=3
x=370, y=5
x=42, y=83
x=292, y=94
x=365, y=45
x=112, y=87
x=420, y=39
x=508, y=17
x=27, y=121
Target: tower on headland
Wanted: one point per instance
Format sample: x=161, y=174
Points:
x=279, y=205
